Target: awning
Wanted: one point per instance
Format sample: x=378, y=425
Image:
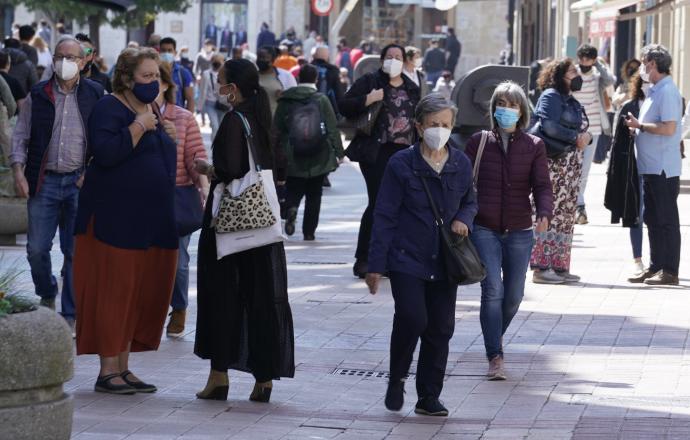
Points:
x=601, y=5
x=663, y=6
x=115, y=5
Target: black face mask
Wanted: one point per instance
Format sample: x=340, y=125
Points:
x=585, y=69
x=631, y=72
x=263, y=65
x=216, y=66
x=87, y=68
x=576, y=84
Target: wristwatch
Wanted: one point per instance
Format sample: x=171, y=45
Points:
x=641, y=127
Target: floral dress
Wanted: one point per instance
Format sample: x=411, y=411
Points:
x=398, y=118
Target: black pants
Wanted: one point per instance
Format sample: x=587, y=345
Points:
x=662, y=220
x=373, y=174
x=311, y=188
x=426, y=310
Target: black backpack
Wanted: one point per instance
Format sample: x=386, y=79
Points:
x=307, y=132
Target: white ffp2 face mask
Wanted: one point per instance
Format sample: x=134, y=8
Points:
x=66, y=70
x=393, y=67
x=643, y=73
x=436, y=137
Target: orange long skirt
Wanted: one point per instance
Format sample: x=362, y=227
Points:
x=122, y=295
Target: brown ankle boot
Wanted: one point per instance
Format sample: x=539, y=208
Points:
x=175, y=327
x=262, y=392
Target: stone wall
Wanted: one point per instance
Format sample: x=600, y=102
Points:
x=482, y=29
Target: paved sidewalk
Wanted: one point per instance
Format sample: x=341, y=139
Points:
x=599, y=360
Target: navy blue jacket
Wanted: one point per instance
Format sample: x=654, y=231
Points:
x=560, y=116
x=42, y=119
x=405, y=237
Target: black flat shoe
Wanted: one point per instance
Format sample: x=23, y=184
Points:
x=103, y=385
x=139, y=386
x=430, y=406
x=395, y=395
x=261, y=392
x=216, y=393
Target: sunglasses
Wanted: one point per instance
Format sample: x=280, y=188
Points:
x=88, y=51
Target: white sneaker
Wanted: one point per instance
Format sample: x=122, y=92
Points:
x=638, y=267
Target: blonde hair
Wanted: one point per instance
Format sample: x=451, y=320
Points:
x=39, y=44
x=127, y=63
x=166, y=77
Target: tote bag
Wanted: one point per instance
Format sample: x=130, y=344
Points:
x=245, y=238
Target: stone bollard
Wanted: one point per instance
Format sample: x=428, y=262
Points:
x=14, y=219
x=36, y=359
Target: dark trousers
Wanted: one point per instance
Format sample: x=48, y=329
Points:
x=426, y=310
x=311, y=188
x=373, y=174
x=662, y=220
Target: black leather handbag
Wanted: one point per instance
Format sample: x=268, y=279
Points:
x=463, y=265
x=366, y=122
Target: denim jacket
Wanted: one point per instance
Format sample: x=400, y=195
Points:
x=405, y=237
x=560, y=116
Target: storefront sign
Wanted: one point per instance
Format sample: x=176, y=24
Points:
x=321, y=7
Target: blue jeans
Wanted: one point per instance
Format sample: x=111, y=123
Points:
x=180, y=296
x=53, y=207
x=508, y=253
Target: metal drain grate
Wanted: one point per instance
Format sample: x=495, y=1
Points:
x=364, y=373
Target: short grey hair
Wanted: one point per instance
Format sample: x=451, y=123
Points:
x=660, y=55
x=515, y=95
x=433, y=103
x=65, y=38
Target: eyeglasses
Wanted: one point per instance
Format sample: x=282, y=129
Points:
x=72, y=58
x=88, y=51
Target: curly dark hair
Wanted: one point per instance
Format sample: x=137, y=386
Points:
x=553, y=76
x=635, y=87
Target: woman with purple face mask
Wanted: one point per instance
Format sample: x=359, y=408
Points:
x=126, y=236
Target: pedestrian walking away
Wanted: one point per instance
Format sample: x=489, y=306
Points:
x=244, y=321
x=48, y=157
x=126, y=237
x=658, y=136
x=392, y=131
x=595, y=80
x=191, y=188
x=208, y=94
x=562, y=125
x=510, y=167
x=306, y=127
x=406, y=243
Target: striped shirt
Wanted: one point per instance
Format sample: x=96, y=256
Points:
x=589, y=98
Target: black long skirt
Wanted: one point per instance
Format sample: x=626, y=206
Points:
x=244, y=321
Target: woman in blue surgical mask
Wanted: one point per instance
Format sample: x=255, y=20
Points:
x=510, y=167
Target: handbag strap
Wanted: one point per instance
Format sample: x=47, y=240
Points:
x=478, y=158
x=439, y=220
x=250, y=143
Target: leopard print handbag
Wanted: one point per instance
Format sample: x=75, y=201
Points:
x=244, y=205
x=248, y=210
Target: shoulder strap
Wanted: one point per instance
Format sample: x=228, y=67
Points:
x=439, y=220
x=250, y=142
x=478, y=158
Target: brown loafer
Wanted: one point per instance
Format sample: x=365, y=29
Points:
x=662, y=278
x=642, y=276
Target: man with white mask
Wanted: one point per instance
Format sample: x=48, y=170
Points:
x=49, y=146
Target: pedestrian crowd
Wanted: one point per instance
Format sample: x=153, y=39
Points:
x=114, y=162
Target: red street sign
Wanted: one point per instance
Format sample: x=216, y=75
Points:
x=321, y=7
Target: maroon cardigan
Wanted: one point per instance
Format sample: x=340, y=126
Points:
x=506, y=181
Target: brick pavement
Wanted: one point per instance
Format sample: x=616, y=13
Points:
x=599, y=360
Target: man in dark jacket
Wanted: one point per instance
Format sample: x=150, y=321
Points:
x=26, y=34
x=266, y=37
x=21, y=68
x=328, y=80
x=18, y=92
x=454, y=48
x=434, y=62
x=48, y=156
x=90, y=69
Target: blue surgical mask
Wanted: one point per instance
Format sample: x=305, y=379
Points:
x=506, y=117
x=168, y=57
x=146, y=92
